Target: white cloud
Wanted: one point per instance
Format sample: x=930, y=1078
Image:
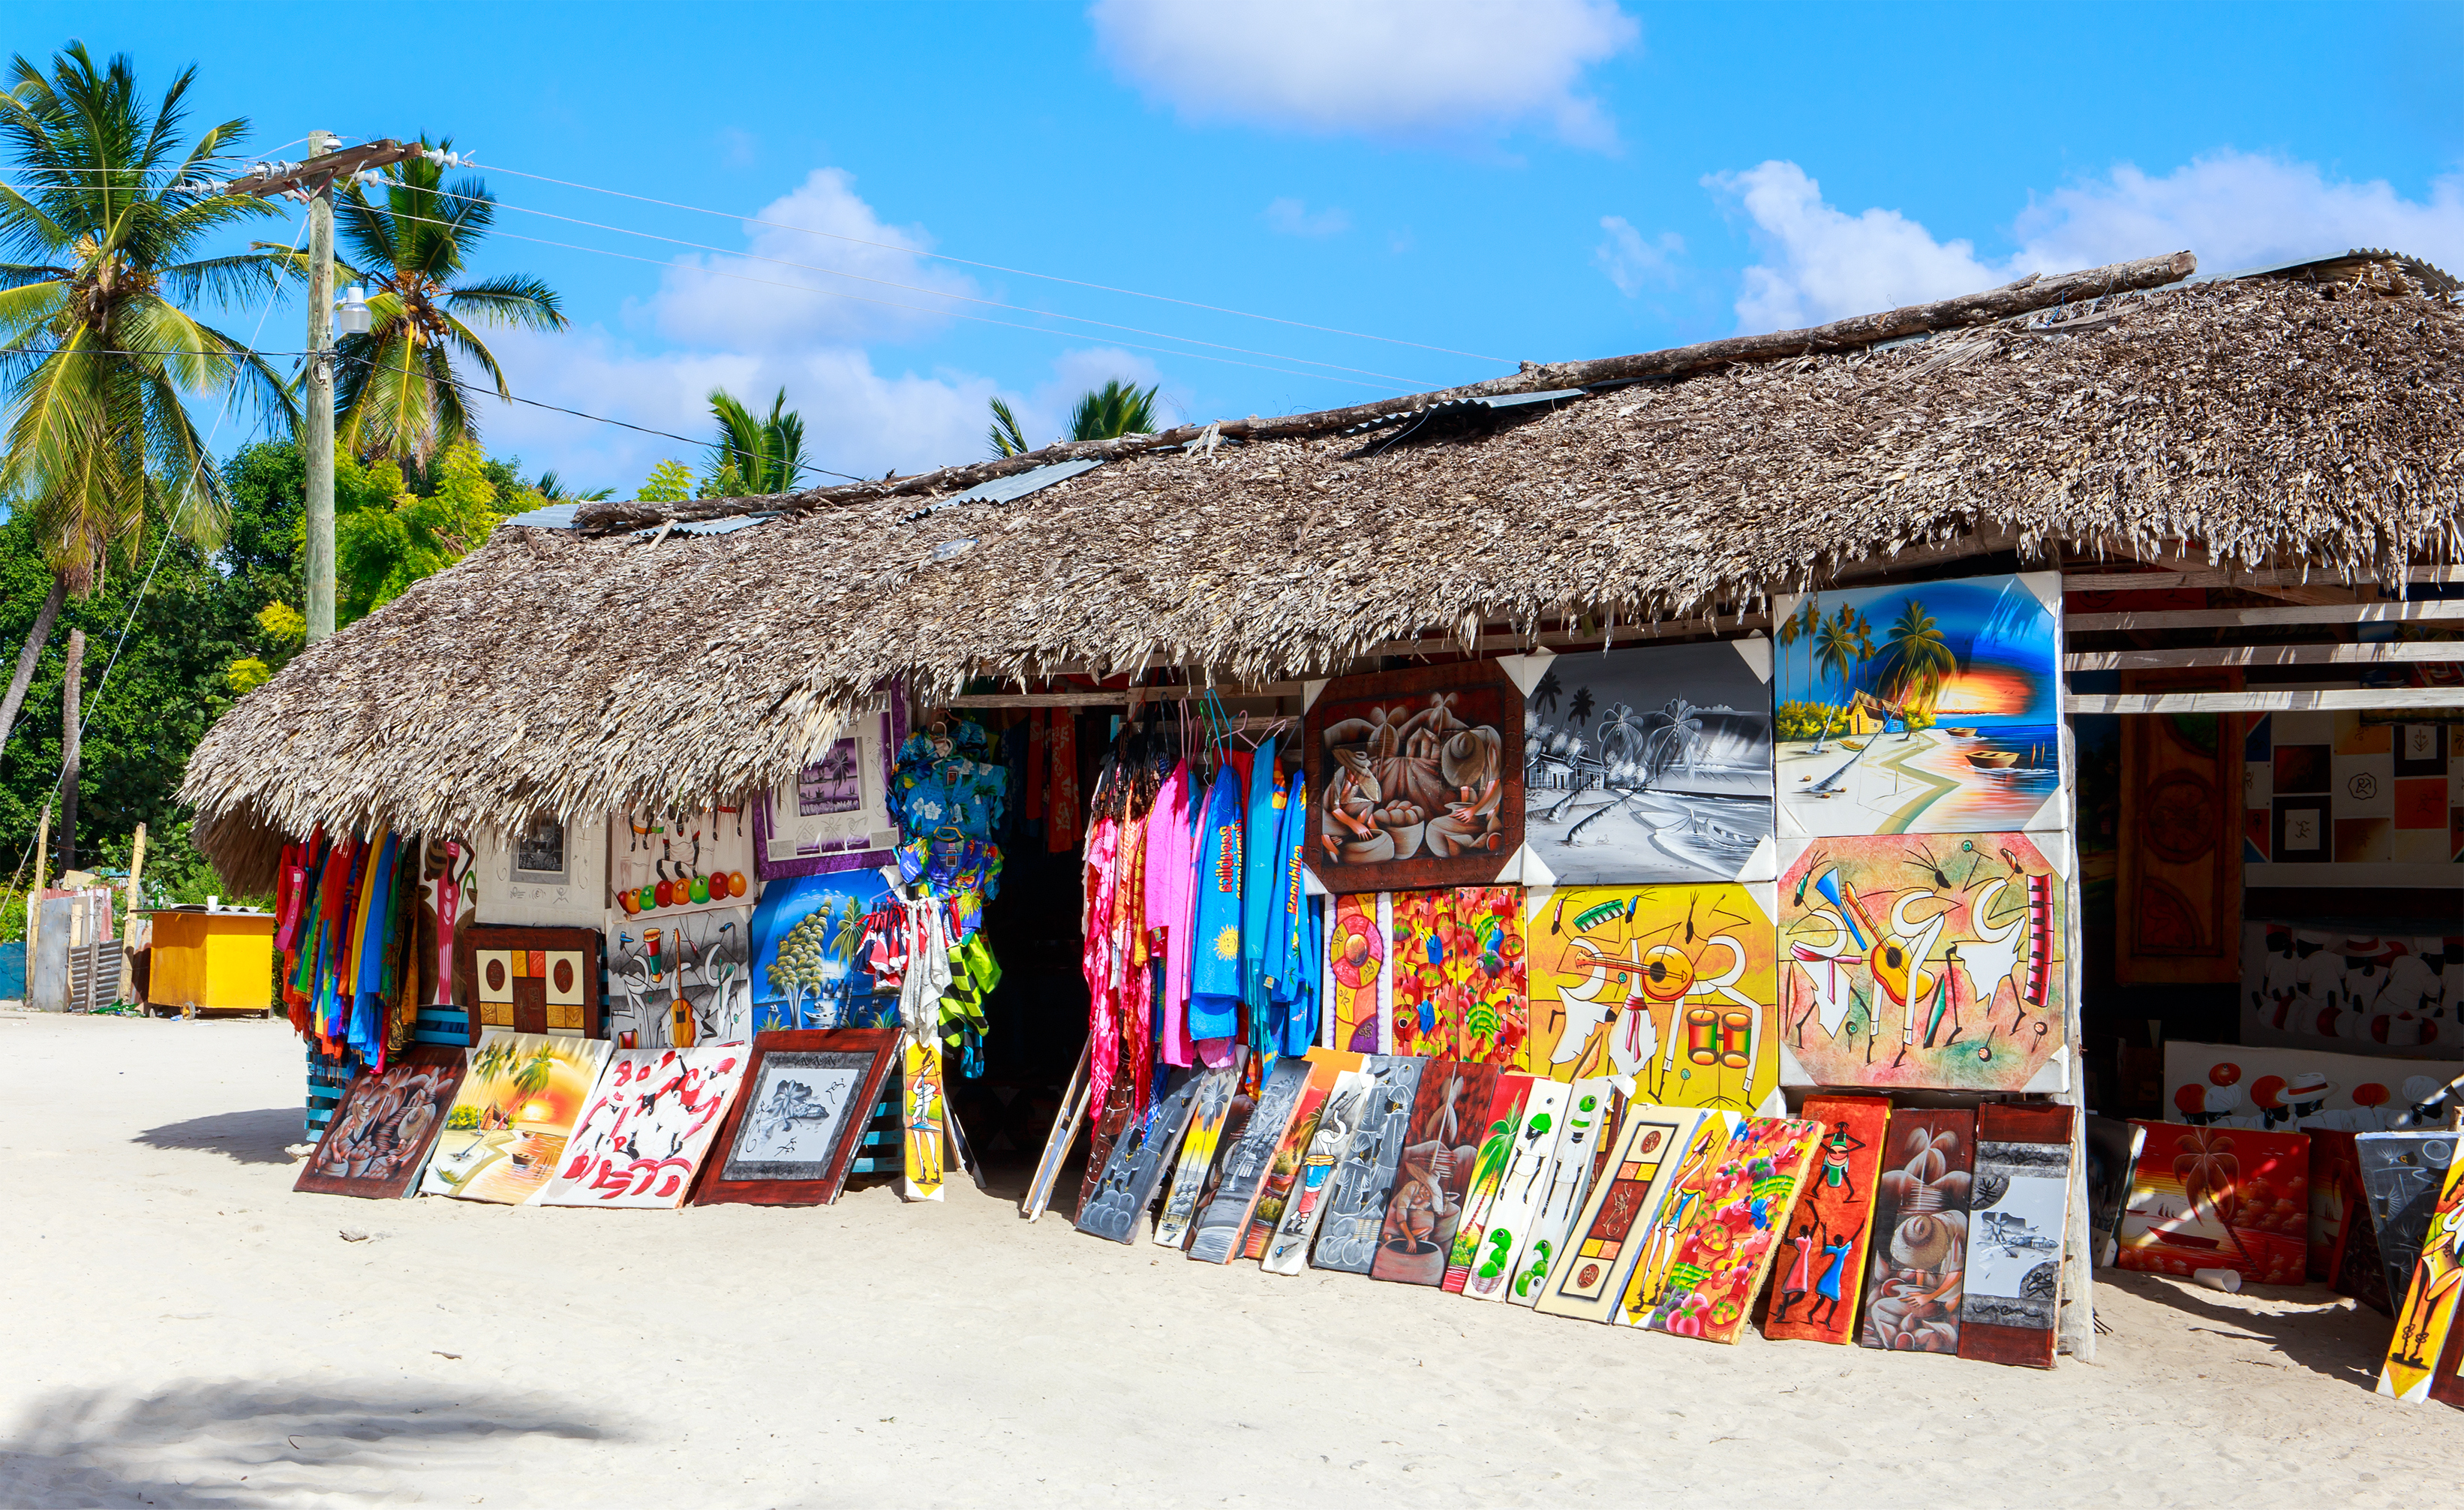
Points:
x=2234, y=210
x=1633, y=264
x=1292, y=217
x=1379, y=66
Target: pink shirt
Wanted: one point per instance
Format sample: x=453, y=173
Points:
x=1170, y=897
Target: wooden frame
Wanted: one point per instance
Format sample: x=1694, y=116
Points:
x=1346, y=702
x=890, y=733
x=869, y=1050
x=576, y=1009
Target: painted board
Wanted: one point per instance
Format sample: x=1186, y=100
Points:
x=385, y=1127
x=1058, y=1143
x=1655, y=1147
x=1424, y=1012
x=2352, y=990
x=1497, y=1150
x=2177, y=891
x=1216, y=1090
x=2113, y=1147
x=1339, y=1120
x=808, y=968
x=1920, y=1249
x=1433, y=1173
x=1933, y=707
x=2348, y=797
x=1590, y=1119
x=834, y=814
x=1708, y=1254
x=2402, y=1176
x=1418, y=778
x=1356, y=1199
x=1925, y=962
x=682, y=980
x=1483, y=971
x=1521, y=1193
x=1284, y=1172
x=2423, y=1357
x=798, y=1123
x=1358, y=974
x=1813, y=1297
x=1224, y=1222
x=2291, y=1090
x=516, y=1105
x=1672, y=986
x=668, y=863
x=924, y=1106
x=1650, y=766
x=542, y=873
x=528, y=980
x=2018, y=1218
x=2219, y=1198
x=2335, y=1200
x=1136, y=1165
x=650, y=1120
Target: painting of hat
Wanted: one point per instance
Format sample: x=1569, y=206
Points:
x=2310, y=1085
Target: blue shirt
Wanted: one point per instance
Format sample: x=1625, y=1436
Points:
x=1215, y=955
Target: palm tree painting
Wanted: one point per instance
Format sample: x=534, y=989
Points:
x=1545, y=696
x=1916, y=662
x=1842, y=645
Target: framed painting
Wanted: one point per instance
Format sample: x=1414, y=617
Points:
x=834, y=814
x=2018, y=1217
x=650, y=1120
x=542, y=873
x=1824, y=1258
x=382, y=1132
x=1419, y=778
x=504, y=1136
x=799, y=1118
x=529, y=979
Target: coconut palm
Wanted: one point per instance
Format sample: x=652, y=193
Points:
x=1917, y=661
x=765, y=455
x=1007, y=436
x=1844, y=642
x=1623, y=729
x=1546, y=695
x=552, y=488
x=535, y=1071
x=1108, y=413
x=97, y=355
x=1675, y=738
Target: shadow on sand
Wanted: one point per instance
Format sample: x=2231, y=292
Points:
x=242, y=1136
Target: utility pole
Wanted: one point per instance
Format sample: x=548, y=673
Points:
x=317, y=439
x=71, y=738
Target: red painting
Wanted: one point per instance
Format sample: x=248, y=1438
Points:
x=1815, y=1293
x=2219, y=1198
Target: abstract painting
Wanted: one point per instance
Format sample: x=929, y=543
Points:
x=2219, y=1198
x=1497, y=1148
x=1425, y=1015
x=2293, y=1090
x=2018, y=1217
x=2424, y=1356
x=1359, y=975
x=505, y=1135
x=1924, y=962
x=1433, y=1172
x=1920, y=1250
x=1590, y=1118
x=799, y=1119
x=1356, y=1199
x=1216, y=1090
x=650, y=1120
x=1417, y=778
x=1671, y=986
x=1136, y=1165
x=1521, y=1191
x=381, y=1134
x=682, y=981
x=1705, y=1257
x=2402, y=1176
x=1650, y=766
x=1815, y=1297
x=2343, y=788
x=1456, y=968
x=834, y=815
x=1224, y=1222
x=2352, y=990
x=528, y=980
x=1931, y=708
x=1338, y=1121
x=1655, y=1147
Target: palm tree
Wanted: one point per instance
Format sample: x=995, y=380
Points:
x=535, y=1071
x=1916, y=660
x=764, y=454
x=552, y=488
x=97, y=355
x=1108, y=413
x=1623, y=728
x=397, y=390
x=1546, y=695
x=1676, y=737
x=1844, y=642
x=1007, y=436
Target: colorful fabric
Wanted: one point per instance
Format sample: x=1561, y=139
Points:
x=1061, y=798
x=1097, y=947
x=1261, y=862
x=1169, y=859
x=949, y=797
x=1215, y=970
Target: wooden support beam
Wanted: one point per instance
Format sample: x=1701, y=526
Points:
x=2269, y=699
x=1106, y=699
x=2400, y=650
x=2170, y=581
x=2242, y=618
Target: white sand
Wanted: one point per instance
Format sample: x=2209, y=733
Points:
x=182, y=1330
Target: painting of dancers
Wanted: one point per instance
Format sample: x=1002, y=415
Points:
x=1814, y=1296
x=1418, y=778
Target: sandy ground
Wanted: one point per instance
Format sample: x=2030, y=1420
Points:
x=184, y=1330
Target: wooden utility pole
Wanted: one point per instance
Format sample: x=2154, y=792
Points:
x=128, y=929
x=71, y=691
x=316, y=436
x=35, y=898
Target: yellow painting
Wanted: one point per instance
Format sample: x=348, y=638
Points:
x=1674, y=986
x=506, y=1132
x=922, y=1113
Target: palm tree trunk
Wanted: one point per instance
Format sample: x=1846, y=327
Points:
x=35, y=638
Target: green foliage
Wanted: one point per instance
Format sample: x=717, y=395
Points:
x=1009, y=437
x=671, y=481
x=756, y=455
x=1115, y=410
x=385, y=537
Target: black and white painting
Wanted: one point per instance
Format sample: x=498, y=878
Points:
x=2017, y=1210
x=1356, y=1207
x=1225, y=1221
x=1649, y=766
x=795, y=1112
x=1136, y=1165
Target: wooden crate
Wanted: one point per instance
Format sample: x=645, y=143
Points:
x=445, y=1024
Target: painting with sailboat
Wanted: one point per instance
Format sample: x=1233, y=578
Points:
x=1928, y=708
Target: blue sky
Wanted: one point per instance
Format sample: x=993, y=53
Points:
x=1551, y=180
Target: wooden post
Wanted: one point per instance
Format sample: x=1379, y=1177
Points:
x=128, y=929
x=71, y=691
x=35, y=898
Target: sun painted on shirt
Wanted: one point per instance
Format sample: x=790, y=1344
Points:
x=1227, y=943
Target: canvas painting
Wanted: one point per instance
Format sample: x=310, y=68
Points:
x=2219, y=1198
x=1456, y=972
x=808, y=969
x=1650, y=766
x=798, y=1117
x=1216, y=1090
x=2349, y=991
x=1920, y=1249
x=1283, y=1174
x=1671, y=986
x=2424, y=1356
x=528, y=980
x=671, y=862
x=1433, y=1172
x=1655, y=1147
x=1814, y=1296
x=1931, y=708
x=1497, y=1148
x=1925, y=962
x=681, y=982
x=1339, y=1120
x=2291, y=1090
x=2336, y=1201
x=1355, y=1202
x=1425, y=1016
x=2382, y=802
x=650, y=1120
x=2113, y=1147
x=504, y=1137
x=1590, y=1119
x=1719, y=1233
x=1224, y=1222
x=1416, y=777
x=2019, y=1216
x=1359, y=975
x=923, y=1110
x=834, y=814
x=541, y=874
x=381, y=1134
x=2402, y=1176
x=1521, y=1191
x=1136, y=1165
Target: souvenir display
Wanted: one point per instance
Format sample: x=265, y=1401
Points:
x=1521, y=1191
x=532, y=979
x=2353, y=991
x=1350, y=1233
x=798, y=1117
x=666, y=863
x=2219, y=1198
x=1591, y=1109
x=2348, y=793
x=2425, y=1360
x=352, y=937
x=1655, y=1148
x=650, y=1119
x=2293, y=1090
x=1815, y=1292
x=1705, y=1259
x=1136, y=1166
x=834, y=814
x=386, y=1123
x=1413, y=779
x=1497, y=1149
x=2402, y=1176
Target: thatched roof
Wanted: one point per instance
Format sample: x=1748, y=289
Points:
x=2272, y=421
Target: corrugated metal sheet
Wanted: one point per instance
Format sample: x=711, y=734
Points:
x=555, y=516
x=710, y=526
x=1009, y=489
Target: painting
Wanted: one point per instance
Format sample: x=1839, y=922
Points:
x=2112, y=1148
x=1224, y=1222
x=1705, y=1259
x=543, y=873
x=1655, y=1146
x=381, y=1133
x=2293, y=1090
x=808, y=966
x=650, y=1120
x=2019, y=1208
x=1521, y=1191
x=923, y=1106
x=1349, y=1236
x=1216, y=1090
x=1930, y=708
x=2219, y=1198
x=1284, y=1173
x=504, y=1136
x=2352, y=990
x=1339, y=1118
x=2381, y=803
x=2336, y=1201
x=668, y=863
x=1590, y=1118
x=528, y=980
x=1673, y=986
x=1497, y=1149
x=1358, y=974
x=2424, y=1359
x=1416, y=779
x=1433, y=1172
x=2178, y=892
x=2402, y=1176
x=1424, y=1012
x=1456, y=974
x=1136, y=1165
x=834, y=814
x=798, y=1120
x=1924, y=962
x=1815, y=1297
x=1650, y=766
x=1920, y=1249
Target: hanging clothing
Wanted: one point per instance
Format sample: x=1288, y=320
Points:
x=1061, y=798
x=1293, y=956
x=1131, y=980
x=1260, y=861
x=1214, y=972
x=1168, y=896
x=1097, y=947
x=950, y=796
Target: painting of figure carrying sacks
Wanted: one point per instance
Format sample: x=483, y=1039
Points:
x=1650, y=766
x=1416, y=777
x=1933, y=708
